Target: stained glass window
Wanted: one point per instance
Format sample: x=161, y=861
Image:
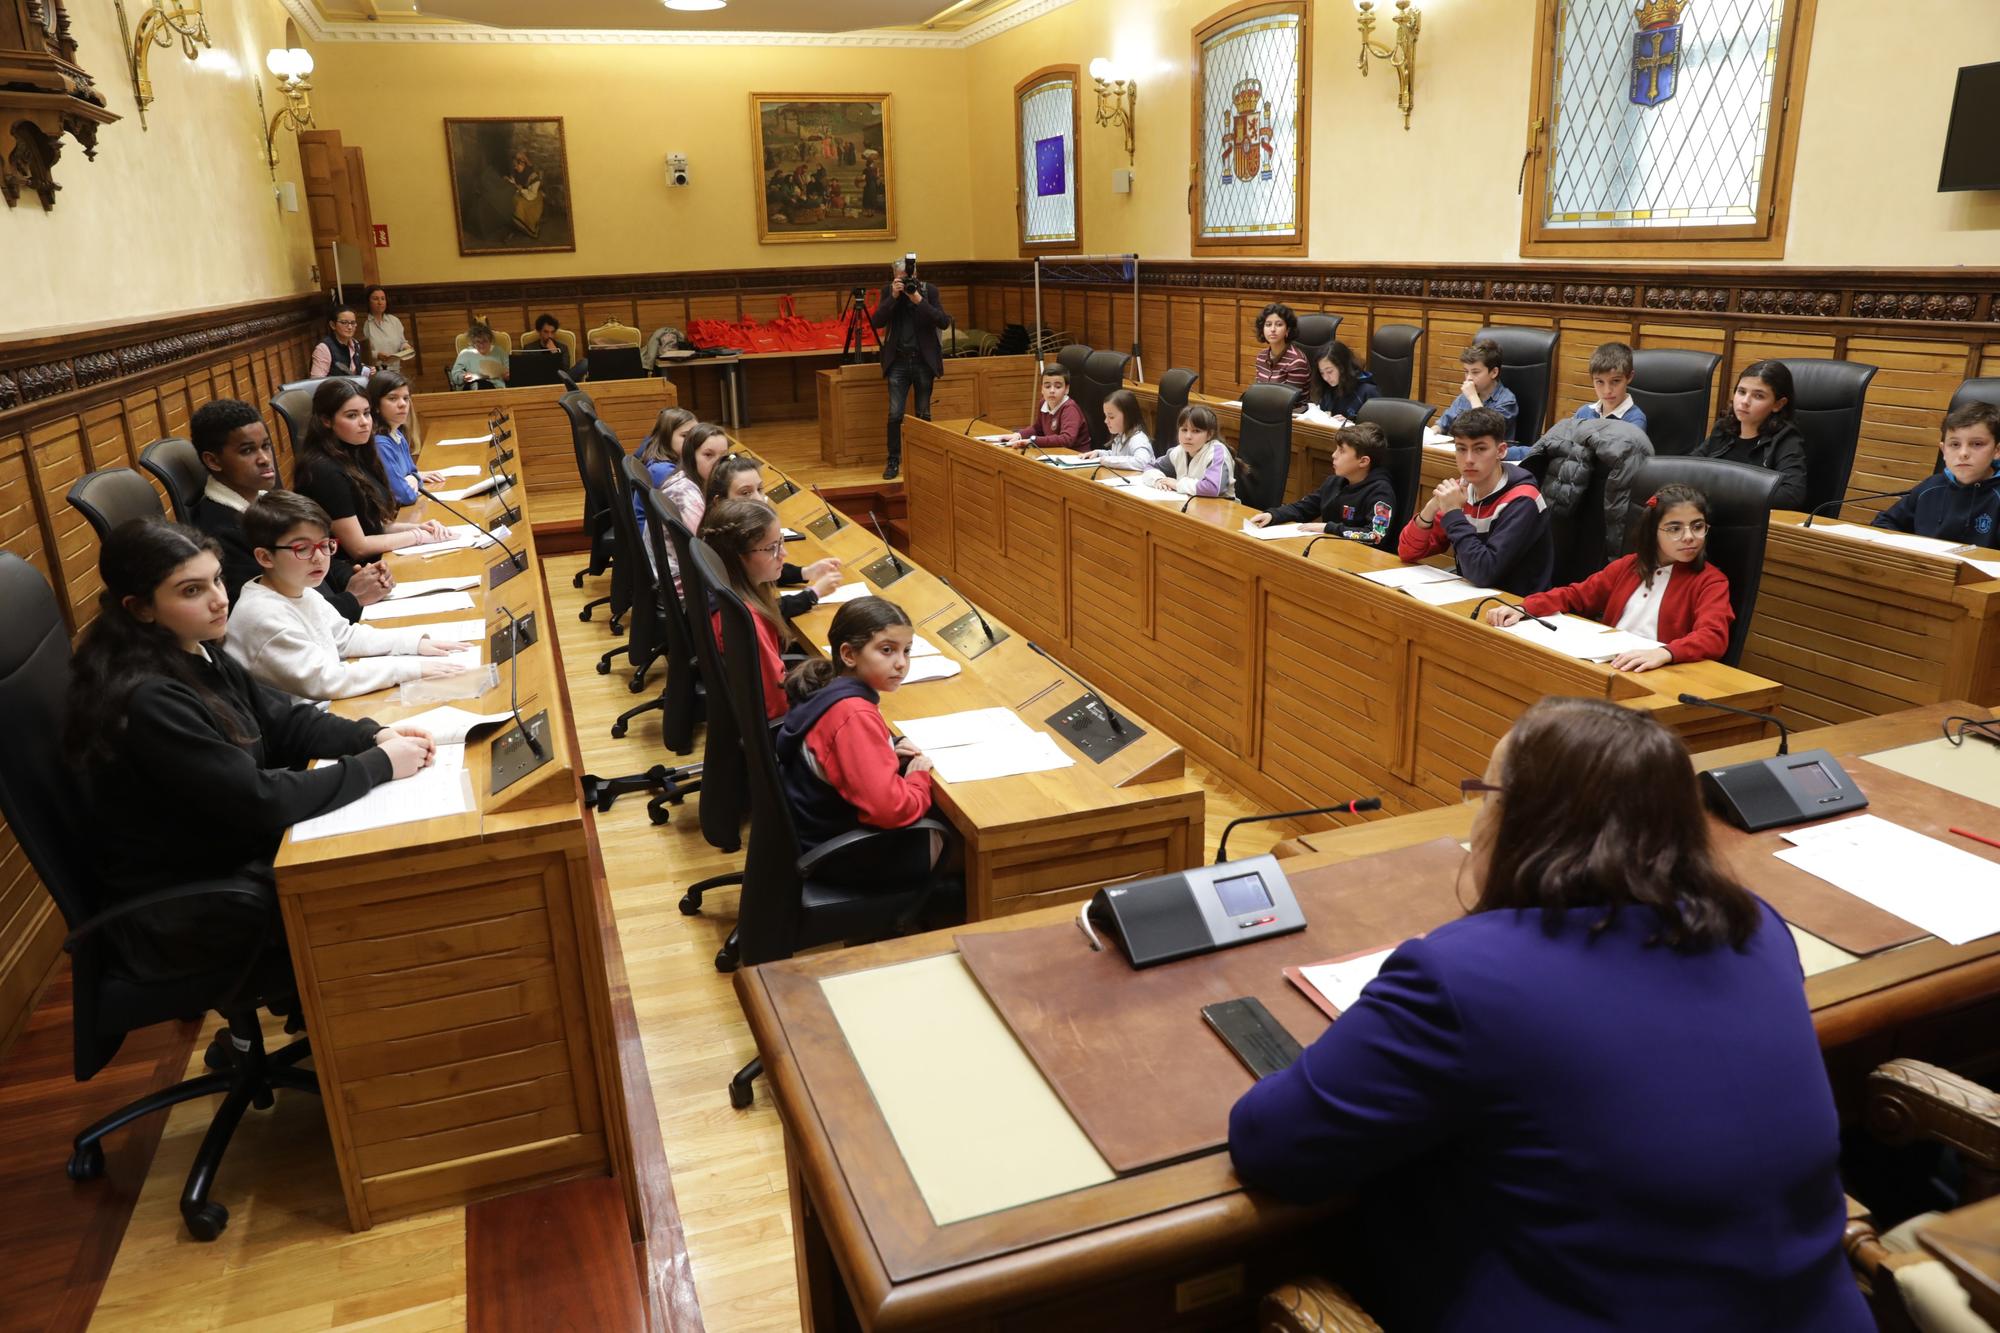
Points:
x=1251, y=85
x=1662, y=118
x=1046, y=119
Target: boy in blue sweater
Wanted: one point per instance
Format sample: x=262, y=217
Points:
x=1610, y=377
x=1961, y=503
x=1482, y=388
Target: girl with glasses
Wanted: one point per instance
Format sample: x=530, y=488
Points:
x=747, y=536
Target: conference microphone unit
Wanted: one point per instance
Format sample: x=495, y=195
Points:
x=971, y=633
x=516, y=561
x=1526, y=614
x=501, y=481
x=1090, y=724
x=1786, y=789
x=506, y=759
x=1784, y=732
x=1357, y=806
x=890, y=567
x=1819, y=511
x=1338, y=534
x=828, y=523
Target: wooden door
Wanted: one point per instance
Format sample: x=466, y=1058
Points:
x=329, y=201
x=364, y=219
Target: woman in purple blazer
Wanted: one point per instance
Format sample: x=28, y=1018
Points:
x=1594, y=1102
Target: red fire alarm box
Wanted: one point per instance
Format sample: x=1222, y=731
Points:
x=381, y=235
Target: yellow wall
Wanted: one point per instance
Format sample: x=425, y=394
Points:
x=176, y=217
x=624, y=109
x=1865, y=192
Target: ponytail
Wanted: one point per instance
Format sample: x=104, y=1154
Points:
x=808, y=678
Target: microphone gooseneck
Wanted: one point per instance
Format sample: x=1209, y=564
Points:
x=1359, y=805
x=1784, y=732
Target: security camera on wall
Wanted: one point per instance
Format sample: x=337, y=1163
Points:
x=677, y=170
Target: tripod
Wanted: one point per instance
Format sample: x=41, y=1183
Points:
x=859, y=331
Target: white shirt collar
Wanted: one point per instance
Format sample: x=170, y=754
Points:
x=1625, y=405
x=223, y=496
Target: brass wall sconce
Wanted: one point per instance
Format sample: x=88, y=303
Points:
x=294, y=67
x=1117, y=94
x=1402, y=57
x=164, y=22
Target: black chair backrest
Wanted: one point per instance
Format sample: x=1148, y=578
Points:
x=1827, y=398
x=1528, y=368
x=294, y=405
x=767, y=920
x=42, y=803
x=1402, y=420
x=1316, y=333
x=669, y=611
x=1739, y=523
x=1264, y=445
x=179, y=468
x=114, y=495
x=724, y=800
x=1675, y=388
x=1103, y=375
x=1969, y=391
x=1072, y=358
x=641, y=580
x=1578, y=535
x=1392, y=358
x=1175, y=386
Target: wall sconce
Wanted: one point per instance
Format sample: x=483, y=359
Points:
x=1404, y=55
x=1117, y=93
x=294, y=67
x=163, y=22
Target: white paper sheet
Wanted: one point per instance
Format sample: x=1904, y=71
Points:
x=462, y=470
x=1275, y=532
x=930, y=668
x=450, y=725
x=1407, y=576
x=846, y=592
x=1066, y=461
x=1006, y=757
x=464, y=537
x=1990, y=568
x=791, y=536
x=424, y=587
x=469, y=439
x=433, y=604
x=949, y=730
x=1341, y=982
x=1448, y=592
x=991, y=439
x=1140, y=490
x=472, y=632
x=1434, y=439
x=467, y=492
x=445, y=788
x=1934, y=886
x=1586, y=640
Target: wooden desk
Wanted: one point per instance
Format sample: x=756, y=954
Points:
x=1149, y=1249
x=1967, y=1241
x=854, y=402
x=452, y=970
x=1037, y=838
x=1293, y=677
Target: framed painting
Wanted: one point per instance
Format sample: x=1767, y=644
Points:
x=826, y=174
x=510, y=185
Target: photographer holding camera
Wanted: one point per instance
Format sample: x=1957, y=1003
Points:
x=909, y=316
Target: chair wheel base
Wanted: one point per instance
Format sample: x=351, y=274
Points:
x=690, y=904
x=576, y=581
x=618, y=731
x=725, y=960
x=741, y=1095
x=206, y=1221
x=637, y=683
x=87, y=1162
x=584, y=615
x=604, y=667
x=617, y=627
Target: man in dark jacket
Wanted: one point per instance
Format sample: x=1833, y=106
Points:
x=908, y=316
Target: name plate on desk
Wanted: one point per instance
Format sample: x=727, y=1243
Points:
x=1084, y=724
x=513, y=758
x=969, y=636
x=825, y=525
x=784, y=490
x=884, y=572
x=500, y=646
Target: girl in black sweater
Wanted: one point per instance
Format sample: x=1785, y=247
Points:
x=192, y=769
x=1758, y=429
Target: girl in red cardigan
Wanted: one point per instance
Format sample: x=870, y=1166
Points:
x=751, y=542
x=1665, y=590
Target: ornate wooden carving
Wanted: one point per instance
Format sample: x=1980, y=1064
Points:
x=44, y=95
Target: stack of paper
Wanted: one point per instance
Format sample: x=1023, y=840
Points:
x=1341, y=982
x=1408, y=576
x=930, y=668
x=1437, y=440
x=450, y=726
x=445, y=788
x=1910, y=542
x=1573, y=636
x=472, y=632
x=424, y=587
x=983, y=743
x=1070, y=461
x=466, y=492
x=1450, y=592
x=1938, y=888
x=463, y=537
x=992, y=439
x=462, y=470
x=429, y=605
x=846, y=592
x=1274, y=532
x=1140, y=490
x=469, y=439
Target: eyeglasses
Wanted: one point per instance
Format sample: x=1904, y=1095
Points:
x=1472, y=789
x=1696, y=529
x=307, y=550
x=776, y=548
x=346, y=323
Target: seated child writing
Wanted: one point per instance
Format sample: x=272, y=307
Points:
x=1664, y=590
x=1059, y=423
x=1344, y=386
x=290, y=638
x=1356, y=498
x=1128, y=450
x=1201, y=463
x=1491, y=516
x=1961, y=503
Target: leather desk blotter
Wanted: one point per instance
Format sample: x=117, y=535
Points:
x=1128, y=1052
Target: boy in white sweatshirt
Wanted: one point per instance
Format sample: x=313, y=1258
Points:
x=294, y=640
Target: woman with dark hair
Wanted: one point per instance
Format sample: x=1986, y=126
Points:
x=382, y=333
x=1758, y=429
x=1281, y=360
x=192, y=769
x=1343, y=385
x=1597, y=1100
x=340, y=352
x=389, y=406
x=336, y=464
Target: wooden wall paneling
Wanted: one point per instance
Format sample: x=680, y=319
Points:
x=1370, y=659
x=1353, y=329
x=20, y=518
x=1016, y=307
x=1155, y=336
x=1989, y=360
x=1761, y=344
x=1904, y=414
x=1202, y=659
x=56, y=460
x=1106, y=306
x=1447, y=333
x=1186, y=335
x=712, y=306
x=31, y=935
x=611, y=310
x=1249, y=342
x=1120, y=334
x=655, y=312
x=1109, y=590
x=1221, y=373
x=1580, y=338
x=143, y=423
x=827, y=304
x=763, y=307
x=434, y=333
x=983, y=307
x=1034, y=535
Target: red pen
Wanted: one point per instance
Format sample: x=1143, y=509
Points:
x=1976, y=837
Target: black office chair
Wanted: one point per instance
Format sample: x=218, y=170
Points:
x=679, y=701
x=1175, y=386
x=725, y=793
x=1675, y=388
x=1103, y=375
x=1402, y=420
x=642, y=636
x=1072, y=357
x=1264, y=445
x=1739, y=523
x=1392, y=358
x=294, y=405
x=114, y=495
x=1528, y=369
x=792, y=901
x=1969, y=391
x=581, y=411
x=1827, y=400
x=1317, y=332
x=43, y=806
x=177, y=467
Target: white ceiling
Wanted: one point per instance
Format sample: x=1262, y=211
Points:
x=651, y=15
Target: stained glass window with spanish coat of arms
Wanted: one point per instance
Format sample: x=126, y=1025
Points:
x=1249, y=142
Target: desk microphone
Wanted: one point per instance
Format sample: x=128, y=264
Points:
x=888, y=550
x=1526, y=614
x=1110, y=715
x=1353, y=807
x=501, y=481
x=519, y=559
x=1784, y=732
x=834, y=514
x=1190, y=500
x=514, y=684
x=1819, y=511
x=991, y=637
x=1117, y=474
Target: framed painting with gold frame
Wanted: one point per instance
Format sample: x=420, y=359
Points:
x=825, y=172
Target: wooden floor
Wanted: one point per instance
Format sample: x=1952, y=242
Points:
x=287, y=1260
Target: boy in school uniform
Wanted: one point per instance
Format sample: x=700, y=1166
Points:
x=1059, y=423
x=1491, y=516
x=1961, y=503
x=1356, y=500
x=1482, y=388
x=1610, y=378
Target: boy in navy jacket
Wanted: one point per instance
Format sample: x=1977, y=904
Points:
x=1961, y=503
x=1491, y=516
x=1356, y=498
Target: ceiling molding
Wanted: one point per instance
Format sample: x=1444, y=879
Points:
x=311, y=23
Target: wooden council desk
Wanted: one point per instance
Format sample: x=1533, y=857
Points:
x=1172, y=1247
x=453, y=971
x=1036, y=838
x=1292, y=677
x=854, y=401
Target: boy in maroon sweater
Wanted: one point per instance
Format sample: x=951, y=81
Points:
x=1059, y=424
